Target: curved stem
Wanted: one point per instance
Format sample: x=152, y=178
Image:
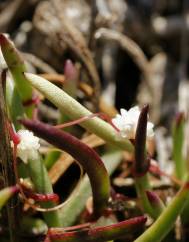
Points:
x=74, y=110
x=85, y=155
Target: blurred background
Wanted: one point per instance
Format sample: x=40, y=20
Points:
x=129, y=51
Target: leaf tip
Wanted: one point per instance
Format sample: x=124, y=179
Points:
x=152, y=197
x=70, y=70
x=180, y=117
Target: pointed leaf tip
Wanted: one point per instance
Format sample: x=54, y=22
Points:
x=155, y=202
x=180, y=117
x=68, y=65
x=142, y=162
x=152, y=197
x=70, y=70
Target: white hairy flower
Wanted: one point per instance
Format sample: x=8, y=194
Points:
x=127, y=121
x=28, y=146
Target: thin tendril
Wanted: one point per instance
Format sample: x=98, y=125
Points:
x=83, y=119
x=68, y=199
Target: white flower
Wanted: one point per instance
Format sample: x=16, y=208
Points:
x=127, y=121
x=28, y=146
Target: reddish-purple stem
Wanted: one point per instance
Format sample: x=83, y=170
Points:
x=103, y=233
x=85, y=155
x=38, y=197
x=142, y=161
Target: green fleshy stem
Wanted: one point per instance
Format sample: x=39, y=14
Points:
x=17, y=67
x=70, y=87
x=14, y=103
x=74, y=110
x=142, y=185
x=165, y=222
x=178, y=142
x=41, y=181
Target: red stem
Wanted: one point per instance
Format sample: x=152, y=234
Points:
x=103, y=233
x=38, y=197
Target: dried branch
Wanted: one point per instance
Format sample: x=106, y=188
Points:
x=38, y=63
x=131, y=47
x=70, y=35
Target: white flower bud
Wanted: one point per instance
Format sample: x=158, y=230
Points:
x=28, y=146
x=127, y=121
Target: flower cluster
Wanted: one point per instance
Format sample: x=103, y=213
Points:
x=28, y=146
x=127, y=121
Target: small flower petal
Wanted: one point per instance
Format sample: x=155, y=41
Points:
x=127, y=121
x=150, y=131
x=123, y=112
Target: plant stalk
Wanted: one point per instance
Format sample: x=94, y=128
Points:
x=74, y=110
x=165, y=222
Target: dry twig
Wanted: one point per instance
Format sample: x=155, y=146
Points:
x=70, y=35
x=131, y=48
